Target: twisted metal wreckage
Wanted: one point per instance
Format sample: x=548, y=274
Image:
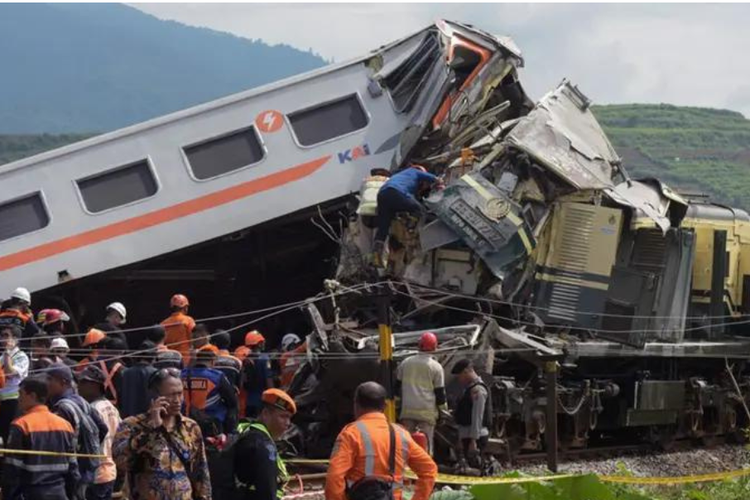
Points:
x=567, y=281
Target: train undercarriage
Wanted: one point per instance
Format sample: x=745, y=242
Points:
x=603, y=394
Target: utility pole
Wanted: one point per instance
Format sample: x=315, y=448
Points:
x=550, y=432
x=386, y=350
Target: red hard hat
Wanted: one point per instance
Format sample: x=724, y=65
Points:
x=179, y=300
x=55, y=315
x=428, y=342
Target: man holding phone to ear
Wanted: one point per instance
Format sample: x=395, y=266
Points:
x=161, y=451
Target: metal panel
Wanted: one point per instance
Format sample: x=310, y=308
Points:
x=486, y=220
x=563, y=135
x=660, y=395
x=572, y=281
x=639, y=418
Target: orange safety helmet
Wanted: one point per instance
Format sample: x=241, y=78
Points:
x=242, y=352
x=209, y=347
x=179, y=300
x=428, y=342
x=253, y=338
x=279, y=399
x=93, y=337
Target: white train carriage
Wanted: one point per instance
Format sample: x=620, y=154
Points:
x=214, y=169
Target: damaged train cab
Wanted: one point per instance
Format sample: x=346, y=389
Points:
x=542, y=239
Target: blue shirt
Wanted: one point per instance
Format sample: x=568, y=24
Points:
x=256, y=382
x=407, y=181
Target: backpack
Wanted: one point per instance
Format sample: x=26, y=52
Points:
x=221, y=470
x=86, y=437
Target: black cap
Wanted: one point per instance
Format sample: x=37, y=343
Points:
x=461, y=365
x=92, y=374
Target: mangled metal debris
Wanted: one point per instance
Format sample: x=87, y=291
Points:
x=540, y=252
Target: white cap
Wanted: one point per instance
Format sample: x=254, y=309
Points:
x=119, y=309
x=21, y=293
x=289, y=339
x=59, y=343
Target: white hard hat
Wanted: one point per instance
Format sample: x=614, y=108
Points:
x=59, y=343
x=119, y=309
x=288, y=340
x=21, y=293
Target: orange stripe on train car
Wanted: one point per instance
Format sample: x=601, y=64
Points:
x=162, y=215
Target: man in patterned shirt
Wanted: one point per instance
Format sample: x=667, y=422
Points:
x=162, y=451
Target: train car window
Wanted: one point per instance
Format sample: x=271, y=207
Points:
x=118, y=187
x=405, y=82
x=224, y=154
x=22, y=215
x=328, y=121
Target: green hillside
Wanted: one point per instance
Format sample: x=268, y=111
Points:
x=101, y=66
x=696, y=150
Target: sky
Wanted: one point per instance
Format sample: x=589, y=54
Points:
x=684, y=54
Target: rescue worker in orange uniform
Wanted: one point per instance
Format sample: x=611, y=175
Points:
x=97, y=341
x=93, y=341
x=363, y=450
x=179, y=326
x=17, y=311
x=39, y=477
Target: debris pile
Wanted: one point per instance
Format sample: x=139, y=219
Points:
x=536, y=252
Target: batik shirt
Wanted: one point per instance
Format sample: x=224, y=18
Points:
x=154, y=469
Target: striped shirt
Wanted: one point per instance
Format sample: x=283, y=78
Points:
x=107, y=471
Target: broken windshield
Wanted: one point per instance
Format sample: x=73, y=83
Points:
x=407, y=79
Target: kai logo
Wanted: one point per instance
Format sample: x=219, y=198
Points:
x=354, y=154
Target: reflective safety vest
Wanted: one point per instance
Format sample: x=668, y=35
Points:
x=110, y=389
x=368, y=195
x=282, y=476
x=14, y=317
x=202, y=392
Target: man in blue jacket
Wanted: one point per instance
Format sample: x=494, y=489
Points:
x=399, y=194
x=210, y=399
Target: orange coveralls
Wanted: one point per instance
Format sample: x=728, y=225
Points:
x=362, y=449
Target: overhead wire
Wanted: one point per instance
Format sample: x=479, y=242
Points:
x=543, y=308
x=210, y=319
x=593, y=330
x=285, y=308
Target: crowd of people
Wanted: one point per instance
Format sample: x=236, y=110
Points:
x=182, y=417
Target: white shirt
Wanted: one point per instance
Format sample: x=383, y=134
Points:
x=21, y=367
x=420, y=375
